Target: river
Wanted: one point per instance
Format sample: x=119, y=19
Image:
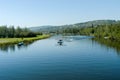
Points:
x=79, y=59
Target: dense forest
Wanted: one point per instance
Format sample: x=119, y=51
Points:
x=11, y=32
x=109, y=31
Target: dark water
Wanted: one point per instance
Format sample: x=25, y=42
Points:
x=78, y=59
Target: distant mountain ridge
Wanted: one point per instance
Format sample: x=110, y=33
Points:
x=39, y=28
x=78, y=25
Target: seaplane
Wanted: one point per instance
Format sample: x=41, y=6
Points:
x=60, y=42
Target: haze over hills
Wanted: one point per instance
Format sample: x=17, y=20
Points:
x=49, y=28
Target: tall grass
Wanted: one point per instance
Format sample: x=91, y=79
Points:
x=17, y=40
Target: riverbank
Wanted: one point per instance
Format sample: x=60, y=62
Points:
x=17, y=40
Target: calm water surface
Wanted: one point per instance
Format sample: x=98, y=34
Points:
x=79, y=59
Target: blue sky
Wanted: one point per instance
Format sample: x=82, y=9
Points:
x=27, y=13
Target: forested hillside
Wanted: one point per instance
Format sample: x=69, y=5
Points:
x=108, y=31
x=58, y=29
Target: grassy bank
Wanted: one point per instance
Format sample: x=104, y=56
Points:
x=17, y=40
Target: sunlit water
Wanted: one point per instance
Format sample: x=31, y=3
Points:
x=78, y=59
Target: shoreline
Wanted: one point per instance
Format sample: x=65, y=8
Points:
x=5, y=41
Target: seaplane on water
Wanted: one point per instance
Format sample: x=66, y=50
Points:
x=60, y=42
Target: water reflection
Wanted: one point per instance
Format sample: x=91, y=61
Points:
x=110, y=44
x=13, y=47
x=7, y=47
x=65, y=40
x=71, y=38
x=107, y=44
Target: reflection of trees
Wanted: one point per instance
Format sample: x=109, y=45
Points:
x=7, y=47
x=4, y=48
x=110, y=43
x=12, y=47
x=25, y=45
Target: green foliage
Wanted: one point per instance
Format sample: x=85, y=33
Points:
x=11, y=32
x=109, y=31
x=17, y=40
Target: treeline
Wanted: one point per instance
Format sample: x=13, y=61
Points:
x=111, y=31
x=11, y=32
